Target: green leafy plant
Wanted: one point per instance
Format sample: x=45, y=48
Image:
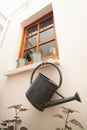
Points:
x=16, y=121
x=67, y=120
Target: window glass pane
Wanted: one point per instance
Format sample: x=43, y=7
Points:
x=33, y=50
x=46, y=35
x=32, y=30
x=31, y=41
x=48, y=49
x=47, y=23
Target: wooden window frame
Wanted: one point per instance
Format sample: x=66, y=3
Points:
x=38, y=44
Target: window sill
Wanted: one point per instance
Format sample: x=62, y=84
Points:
x=28, y=67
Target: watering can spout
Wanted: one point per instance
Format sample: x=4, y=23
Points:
x=63, y=100
x=77, y=97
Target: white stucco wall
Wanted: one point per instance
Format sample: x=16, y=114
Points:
x=71, y=28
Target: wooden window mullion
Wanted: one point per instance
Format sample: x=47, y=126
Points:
x=38, y=38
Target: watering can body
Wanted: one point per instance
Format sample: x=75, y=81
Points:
x=42, y=89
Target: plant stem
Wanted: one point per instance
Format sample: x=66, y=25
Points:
x=16, y=119
x=66, y=121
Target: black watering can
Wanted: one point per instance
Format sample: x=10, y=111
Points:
x=43, y=88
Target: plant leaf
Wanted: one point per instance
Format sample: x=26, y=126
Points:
x=58, y=115
x=16, y=117
x=23, y=128
x=68, y=110
x=75, y=122
x=23, y=109
x=15, y=106
x=58, y=129
x=5, y=129
x=19, y=122
x=11, y=128
x=65, y=112
x=68, y=127
x=4, y=124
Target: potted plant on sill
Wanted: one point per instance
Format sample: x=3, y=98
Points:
x=36, y=56
x=24, y=60
x=21, y=62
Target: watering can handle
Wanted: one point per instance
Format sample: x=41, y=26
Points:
x=60, y=82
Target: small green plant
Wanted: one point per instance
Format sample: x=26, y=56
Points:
x=67, y=120
x=16, y=121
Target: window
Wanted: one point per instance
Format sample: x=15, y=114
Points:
x=40, y=36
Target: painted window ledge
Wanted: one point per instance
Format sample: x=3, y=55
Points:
x=28, y=67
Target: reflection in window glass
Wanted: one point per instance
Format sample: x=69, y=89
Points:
x=33, y=50
x=32, y=30
x=45, y=24
x=48, y=49
x=46, y=35
x=30, y=41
